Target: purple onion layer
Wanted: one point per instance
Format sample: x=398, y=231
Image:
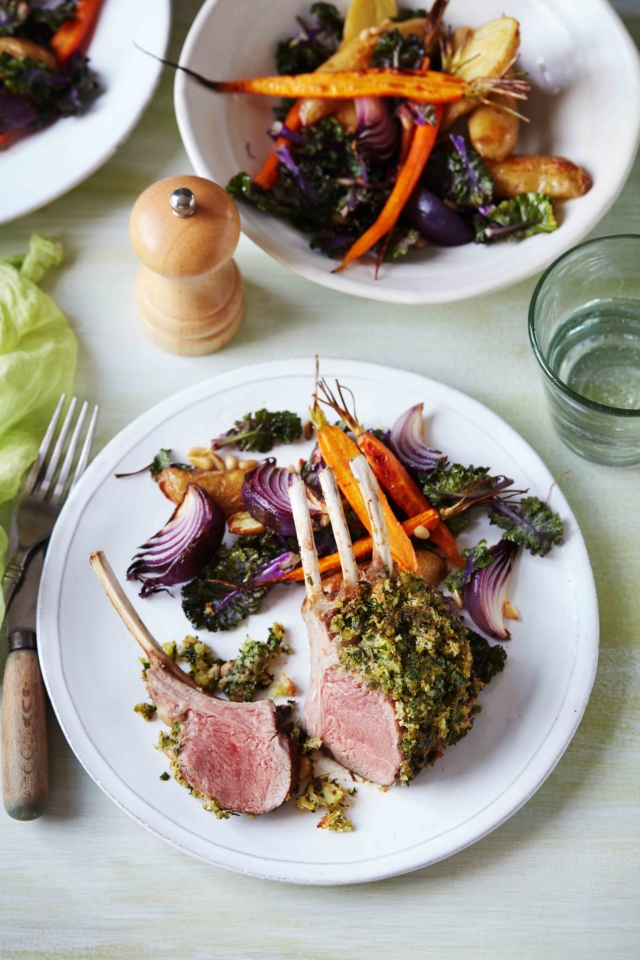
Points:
x=408, y=442
x=486, y=591
x=183, y=547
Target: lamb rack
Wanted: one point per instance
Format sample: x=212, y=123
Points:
x=236, y=755
x=391, y=668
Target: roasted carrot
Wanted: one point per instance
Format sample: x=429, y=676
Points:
x=338, y=450
x=422, y=144
x=268, y=176
x=429, y=87
x=392, y=475
x=74, y=35
x=362, y=548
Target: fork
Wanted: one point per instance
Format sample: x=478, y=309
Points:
x=25, y=765
x=35, y=515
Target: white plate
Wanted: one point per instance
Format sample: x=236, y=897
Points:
x=584, y=105
x=90, y=664
x=48, y=163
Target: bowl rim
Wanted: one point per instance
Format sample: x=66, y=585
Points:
x=537, y=349
x=480, y=285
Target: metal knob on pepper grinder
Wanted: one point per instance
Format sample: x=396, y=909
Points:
x=189, y=291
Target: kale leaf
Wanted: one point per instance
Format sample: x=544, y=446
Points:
x=160, y=461
x=258, y=433
x=531, y=523
x=325, y=188
x=222, y=595
x=406, y=13
x=398, y=52
x=459, y=175
x=56, y=93
x=476, y=558
x=447, y=484
x=488, y=660
x=458, y=523
x=51, y=18
x=329, y=19
x=309, y=50
x=241, y=187
x=515, y=219
x=13, y=14
x=249, y=670
x=399, y=243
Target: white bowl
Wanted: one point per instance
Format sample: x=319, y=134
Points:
x=584, y=105
x=48, y=163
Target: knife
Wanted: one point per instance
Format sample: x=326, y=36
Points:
x=25, y=758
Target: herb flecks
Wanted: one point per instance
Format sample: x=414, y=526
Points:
x=403, y=638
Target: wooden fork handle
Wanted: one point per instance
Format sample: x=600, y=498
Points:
x=25, y=759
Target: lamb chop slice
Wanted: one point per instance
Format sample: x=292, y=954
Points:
x=356, y=723
x=391, y=681
x=237, y=754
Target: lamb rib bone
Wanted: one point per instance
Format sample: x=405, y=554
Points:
x=358, y=725
x=235, y=753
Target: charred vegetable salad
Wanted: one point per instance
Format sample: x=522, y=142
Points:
x=44, y=74
x=427, y=502
x=371, y=154
x=410, y=634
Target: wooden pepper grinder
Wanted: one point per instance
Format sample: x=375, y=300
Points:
x=189, y=291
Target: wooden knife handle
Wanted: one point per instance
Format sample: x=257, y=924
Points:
x=25, y=759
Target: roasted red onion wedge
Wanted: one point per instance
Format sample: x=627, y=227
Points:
x=486, y=591
x=183, y=547
x=265, y=494
x=237, y=755
x=407, y=441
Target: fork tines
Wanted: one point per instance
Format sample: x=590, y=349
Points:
x=43, y=473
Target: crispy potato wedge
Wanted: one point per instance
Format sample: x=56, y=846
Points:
x=526, y=173
x=243, y=525
x=355, y=54
x=488, y=52
x=224, y=486
x=494, y=132
x=363, y=14
x=431, y=566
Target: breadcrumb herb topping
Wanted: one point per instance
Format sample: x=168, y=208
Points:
x=404, y=639
x=327, y=792
x=146, y=710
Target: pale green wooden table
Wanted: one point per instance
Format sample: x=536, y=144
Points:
x=560, y=879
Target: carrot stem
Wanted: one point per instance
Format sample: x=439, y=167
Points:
x=422, y=144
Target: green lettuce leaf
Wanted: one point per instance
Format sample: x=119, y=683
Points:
x=37, y=362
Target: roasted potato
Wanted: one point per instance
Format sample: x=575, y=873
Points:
x=494, y=132
x=487, y=52
x=559, y=178
x=242, y=524
x=363, y=14
x=431, y=566
x=21, y=49
x=225, y=486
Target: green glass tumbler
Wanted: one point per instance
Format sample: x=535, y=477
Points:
x=584, y=327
